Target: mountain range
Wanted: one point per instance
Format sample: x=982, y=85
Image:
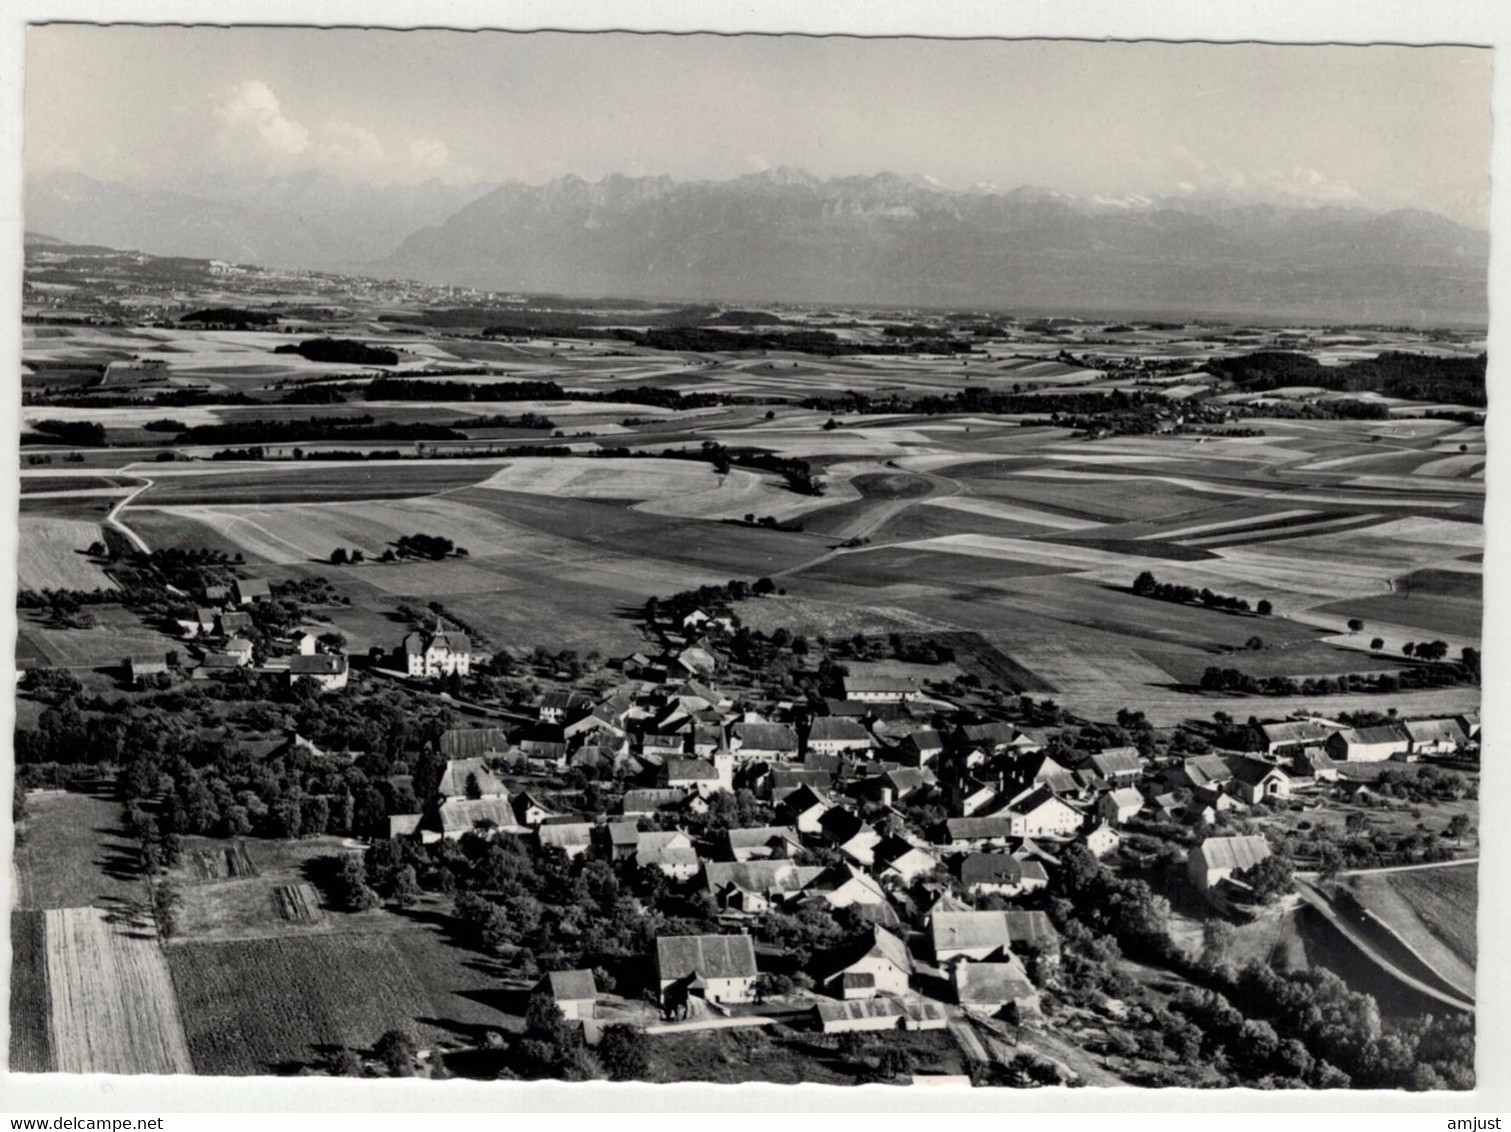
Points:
x=786, y=235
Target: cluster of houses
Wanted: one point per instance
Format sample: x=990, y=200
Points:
x=220, y=632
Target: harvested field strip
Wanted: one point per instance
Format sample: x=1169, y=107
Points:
x=1452, y=466
x=113, y=1006
x=272, y=1005
x=297, y=903
x=1277, y=531
x=1380, y=898
x=1175, y=481
x=1230, y=524
x=999, y=509
x=51, y=555
x=30, y=1005
x=220, y=862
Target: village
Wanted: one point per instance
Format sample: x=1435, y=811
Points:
x=890, y=853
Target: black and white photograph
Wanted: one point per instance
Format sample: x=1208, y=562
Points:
x=749, y=558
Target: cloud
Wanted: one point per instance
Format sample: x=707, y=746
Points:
x=1298, y=184
x=251, y=114
x=255, y=133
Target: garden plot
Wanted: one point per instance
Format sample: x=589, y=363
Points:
x=51, y=557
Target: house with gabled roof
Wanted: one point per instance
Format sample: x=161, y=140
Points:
x=843, y=884
x=669, y=851
x=968, y=935
x=470, y=778
x=690, y=774
x=877, y=688
x=456, y=816
x=878, y=963
x=899, y=859
x=768, y=741
x=247, y=590
x=975, y=833
x=805, y=805
x=1435, y=736
x=1254, y=780
x=328, y=670
x=1001, y=873
x=1293, y=734
x=971, y=797
x=1042, y=813
x=1121, y=766
x=717, y=968
x=1216, y=859
x=563, y=706
x=1101, y=839
x=572, y=835
x=529, y=810
x=755, y=886
x=1200, y=771
x=919, y=748
x=575, y=993
x=830, y=734
x=1120, y=805
x=759, y=842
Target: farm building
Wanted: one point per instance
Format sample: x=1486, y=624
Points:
x=918, y=748
x=1368, y=744
x=328, y=670
x=858, y=1014
x=217, y=663
x=574, y=992
x=831, y=735
x=470, y=778
x=1255, y=780
x=969, y=935
x=573, y=836
x=456, y=816
x=878, y=689
x=244, y=591
x=716, y=968
x=1469, y=723
x=439, y=653
x=232, y=624
x=1199, y=772
x=756, y=886
x=637, y=803
x=843, y=885
x=1032, y=931
x=691, y=774
x=1120, y=805
x=1216, y=859
x=1293, y=734
x=623, y=838
x=670, y=851
x=140, y=667
x=992, y=987
x=878, y=964
x=763, y=841
x=1435, y=736
x=473, y=743
x=981, y=873
x=560, y=707
x=1122, y=766
x=976, y=833
x=404, y=825
x=770, y=741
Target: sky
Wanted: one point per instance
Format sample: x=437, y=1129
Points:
x=1380, y=126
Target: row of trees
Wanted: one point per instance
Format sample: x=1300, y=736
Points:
x=1146, y=585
